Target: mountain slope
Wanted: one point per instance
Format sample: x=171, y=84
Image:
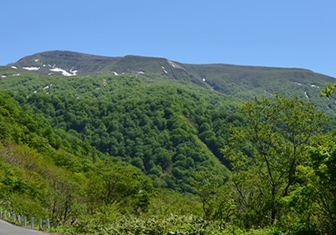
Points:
x=242, y=82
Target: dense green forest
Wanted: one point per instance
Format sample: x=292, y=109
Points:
x=119, y=155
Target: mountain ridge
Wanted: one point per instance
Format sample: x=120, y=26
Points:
x=242, y=82
x=72, y=56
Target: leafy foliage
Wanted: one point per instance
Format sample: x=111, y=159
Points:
x=265, y=159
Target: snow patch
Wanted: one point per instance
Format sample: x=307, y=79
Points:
x=17, y=74
x=3, y=76
x=315, y=86
x=297, y=83
x=203, y=79
x=35, y=91
x=115, y=73
x=141, y=72
x=64, y=72
x=171, y=63
x=165, y=71
x=46, y=87
x=306, y=95
x=36, y=60
x=13, y=67
x=31, y=68
x=74, y=72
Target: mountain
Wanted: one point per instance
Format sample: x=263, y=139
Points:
x=242, y=82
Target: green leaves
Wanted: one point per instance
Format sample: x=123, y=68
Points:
x=265, y=157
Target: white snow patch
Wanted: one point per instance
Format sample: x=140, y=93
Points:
x=162, y=67
x=306, y=95
x=297, y=83
x=50, y=73
x=35, y=91
x=74, y=72
x=171, y=63
x=315, y=86
x=64, y=72
x=49, y=65
x=203, y=79
x=13, y=67
x=44, y=65
x=31, y=68
x=3, y=76
x=17, y=74
x=36, y=60
x=50, y=84
x=141, y=72
x=115, y=73
x=165, y=71
x=46, y=87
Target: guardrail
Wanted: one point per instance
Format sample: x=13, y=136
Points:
x=17, y=219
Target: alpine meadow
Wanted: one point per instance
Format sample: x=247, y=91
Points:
x=144, y=145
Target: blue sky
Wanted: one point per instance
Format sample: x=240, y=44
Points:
x=286, y=33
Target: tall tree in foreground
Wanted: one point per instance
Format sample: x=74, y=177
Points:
x=265, y=157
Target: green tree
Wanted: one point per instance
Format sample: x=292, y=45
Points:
x=114, y=183
x=320, y=189
x=206, y=185
x=265, y=158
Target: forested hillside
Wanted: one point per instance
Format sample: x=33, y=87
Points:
x=48, y=173
x=163, y=137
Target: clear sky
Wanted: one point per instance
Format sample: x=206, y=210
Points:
x=280, y=33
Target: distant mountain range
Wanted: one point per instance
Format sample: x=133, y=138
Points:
x=243, y=82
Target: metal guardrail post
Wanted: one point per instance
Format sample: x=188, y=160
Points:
x=40, y=222
x=9, y=215
x=14, y=218
x=19, y=219
x=32, y=222
x=25, y=220
x=47, y=223
x=5, y=215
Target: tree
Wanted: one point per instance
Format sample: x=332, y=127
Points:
x=265, y=157
x=114, y=183
x=206, y=185
x=321, y=186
